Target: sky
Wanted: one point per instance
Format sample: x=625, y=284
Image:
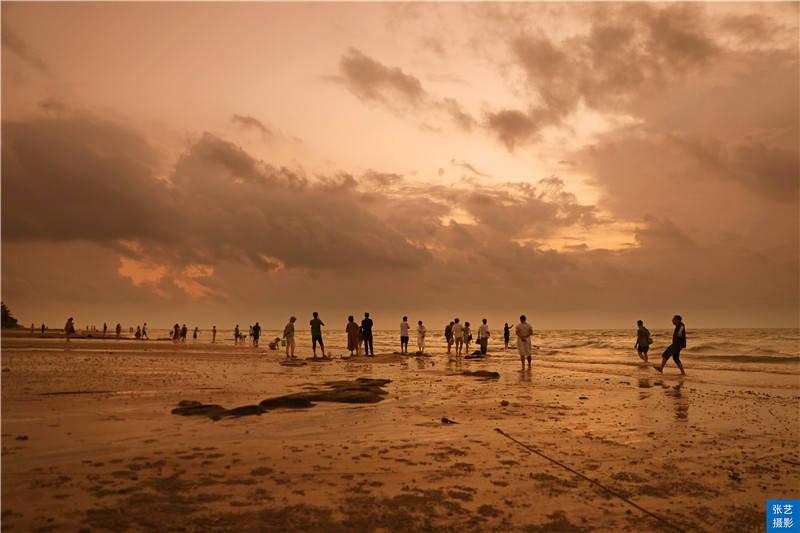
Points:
x=587, y=164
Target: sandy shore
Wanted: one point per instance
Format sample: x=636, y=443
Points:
x=89, y=444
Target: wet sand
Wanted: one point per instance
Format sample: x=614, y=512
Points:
x=89, y=443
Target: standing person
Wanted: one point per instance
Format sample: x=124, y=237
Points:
x=404, y=327
x=176, y=333
x=105, y=328
x=288, y=334
x=184, y=332
x=448, y=335
x=467, y=335
x=421, y=332
x=366, y=330
x=483, y=337
x=213, y=334
x=506, y=334
x=138, y=333
x=643, y=340
x=144, y=331
x=524, y=333
x=43, y=329
x=674, y=349
x=69, y=328
x=119, y=329
x=352, y=334
x=256, y=334
x=236, y=335
x=194, y=334
x=316, y=334
x=457, y=333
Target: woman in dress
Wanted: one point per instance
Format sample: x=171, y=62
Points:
x=176, y=333
x=352, y=330
x=288, y=334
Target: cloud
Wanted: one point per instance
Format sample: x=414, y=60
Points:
x=402, y=93
x=15, y=43
x=370, y=80
x=250, y=122
x=511, y=126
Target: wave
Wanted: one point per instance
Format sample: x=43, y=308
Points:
x=791, y=359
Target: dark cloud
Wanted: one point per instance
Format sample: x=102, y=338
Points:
x=250, y=122
x=17, y=45
x=467, y=166
x=511, y=126
x=372, y=81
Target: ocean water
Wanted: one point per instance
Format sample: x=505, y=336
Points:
x=776, y=350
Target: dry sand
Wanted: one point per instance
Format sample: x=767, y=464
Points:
x=89, y=444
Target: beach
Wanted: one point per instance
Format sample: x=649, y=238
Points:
x=90, y=442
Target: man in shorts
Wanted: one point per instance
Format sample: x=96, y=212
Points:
x=678, y=344
x=643, y=340
x=458, y=336
x=316, y=334
x=448, y=335
x=524, y=333
x=404, y=327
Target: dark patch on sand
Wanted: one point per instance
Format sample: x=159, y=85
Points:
x=483, y=374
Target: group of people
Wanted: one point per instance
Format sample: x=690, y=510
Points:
x=457, y=335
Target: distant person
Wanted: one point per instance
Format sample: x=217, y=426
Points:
x=275, y=344
x=678, y=344
x=105, y=329
x=256, y=334
x=316, y=334
x=421, y=332
x=144, y=331
x=194, y=334
x=466, y=333
x=288, y=334
x=458, y=336
x=643, y=340
x=184, y=332
x=213, y=334
x=366, y=331
x=404, y=327
x=448, y=335
x=138, y=333
x=483, y=337
x=43, y=329
x=119, y=330
x=236, y=335
x=506, y=335
x=353, y=336
x=524, y=333
x=176, y=333
x=69, y=328
x=360, y=341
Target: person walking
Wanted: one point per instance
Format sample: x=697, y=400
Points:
x=105, y=329
x=194, y=334
x=678, y=344
x=69, y=328
x=421, y=332
x=144, y=331
x=483, y=337
x=176, y=333
x=506, y=335
x=404, y=327
x=119, y=329
x=138, y=333
x=256, y=334
x=288, y=334
x=236, y=335
x=184, y=332
x=643, y=340
x=467, y=335
x=448, y=335
x=457, y=333
x=213, y=334
x=366, y=330
x=352, y=334
x=316, y=334
x=524, y=333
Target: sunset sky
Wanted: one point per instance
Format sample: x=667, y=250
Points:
x=585, y=164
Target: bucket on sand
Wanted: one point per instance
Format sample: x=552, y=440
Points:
x=283, y=342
